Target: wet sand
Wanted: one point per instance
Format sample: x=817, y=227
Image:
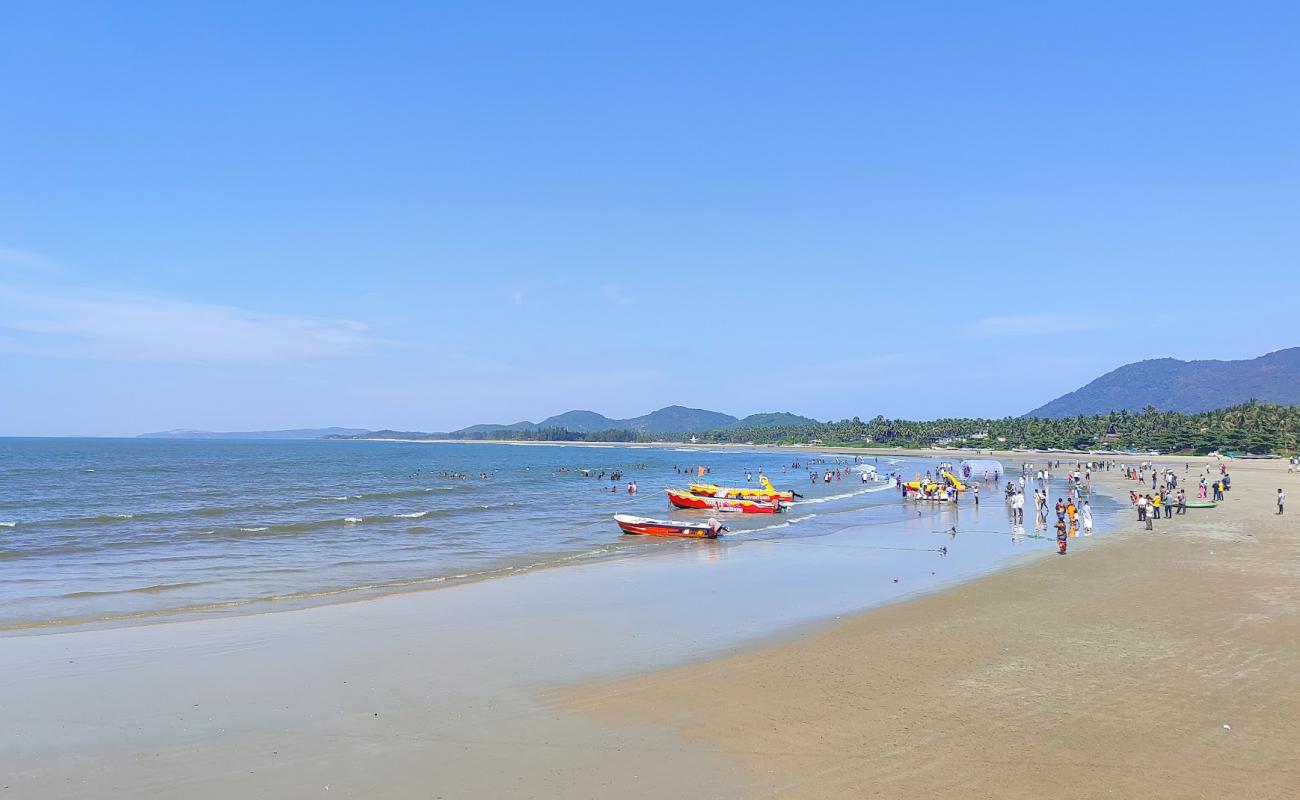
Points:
x=1110, y=672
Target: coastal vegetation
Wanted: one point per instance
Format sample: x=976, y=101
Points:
x=1252, y=427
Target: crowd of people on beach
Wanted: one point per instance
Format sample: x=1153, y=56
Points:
x=1073, y=510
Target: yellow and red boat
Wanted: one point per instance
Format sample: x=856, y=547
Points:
x=644, y=526
x=768, y=492
x=688, y=500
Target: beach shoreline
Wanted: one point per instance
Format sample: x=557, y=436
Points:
x=1158, y=664
x=521, y=688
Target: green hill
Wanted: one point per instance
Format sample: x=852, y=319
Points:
x=777, y=419
x=1187, y=386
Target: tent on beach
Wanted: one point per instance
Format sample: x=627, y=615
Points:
x=981, y=469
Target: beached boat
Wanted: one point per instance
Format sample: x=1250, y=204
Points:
x=1201, y=504
x=644, y=526
x=740, y=493
x=688, y=500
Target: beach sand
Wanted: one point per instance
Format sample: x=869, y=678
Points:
x=1142, y=664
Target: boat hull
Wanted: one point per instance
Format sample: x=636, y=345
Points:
x=644, y=526
x=687, y=500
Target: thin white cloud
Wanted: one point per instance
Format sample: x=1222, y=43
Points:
x=113, y=326
x=14, y=259
x=1035, y=324
x=614, y=293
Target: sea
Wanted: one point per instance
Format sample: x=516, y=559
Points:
x=103, y=532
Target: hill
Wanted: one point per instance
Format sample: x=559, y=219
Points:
x=779, y=419
x=580, y=422
x=490, y=428
x=677, y=419
x=672, y=419
x=294, y=433
x=1187, y=386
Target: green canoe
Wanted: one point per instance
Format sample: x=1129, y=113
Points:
x=1201, y=504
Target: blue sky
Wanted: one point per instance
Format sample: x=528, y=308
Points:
x=424, y=215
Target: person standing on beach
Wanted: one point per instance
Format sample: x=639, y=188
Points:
x=1062, y=539
x=1086, y=514
x=1182, y=501
x=1147, y=511
x=975, y=492
x=1281, y=501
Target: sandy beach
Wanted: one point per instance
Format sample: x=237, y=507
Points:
x=1142, y=664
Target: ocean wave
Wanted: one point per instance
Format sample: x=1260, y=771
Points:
x=314, y=525
x=81, y=522
x=8, y=524
x=783, y=524
x=156, y=588
x=883, y=485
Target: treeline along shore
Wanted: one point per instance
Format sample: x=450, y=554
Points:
x=1251, y=427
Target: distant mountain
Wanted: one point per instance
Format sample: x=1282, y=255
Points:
x=581, y=422
x=673, y=419
x=678, y=419
x=488, y=428
x=779, y=419
x=295, y=433
x=1187, y=386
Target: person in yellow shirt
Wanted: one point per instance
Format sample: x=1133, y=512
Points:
x=1155, y=506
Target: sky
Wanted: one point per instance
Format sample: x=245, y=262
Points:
x=241, y=216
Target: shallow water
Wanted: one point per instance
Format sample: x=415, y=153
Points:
x=107, y=531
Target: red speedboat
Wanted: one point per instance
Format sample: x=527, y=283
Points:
x=688, y=500
x=645, y=526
